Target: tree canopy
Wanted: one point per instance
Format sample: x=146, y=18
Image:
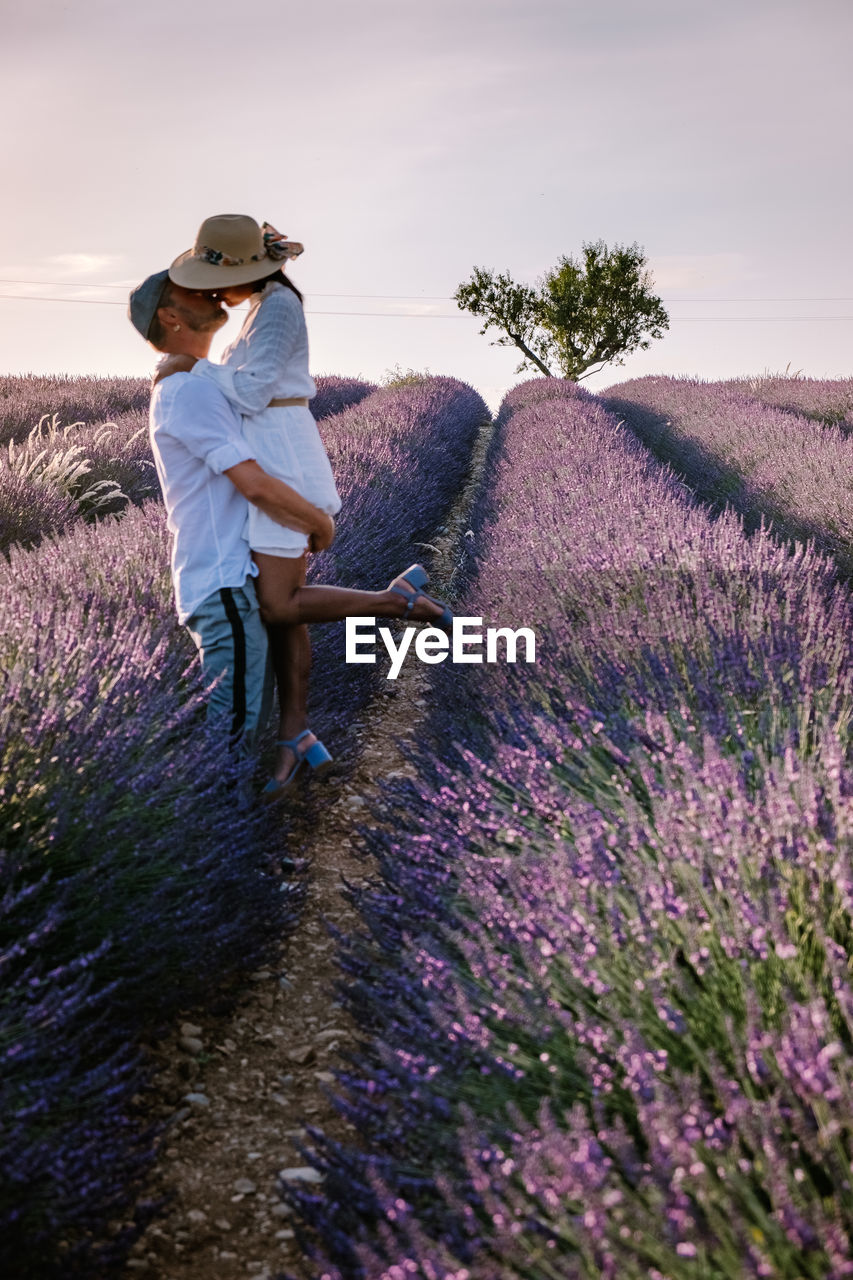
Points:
x=579, y=317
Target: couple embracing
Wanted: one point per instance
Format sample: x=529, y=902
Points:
x=247, y=484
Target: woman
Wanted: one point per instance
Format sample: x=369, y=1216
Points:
x=264, y=374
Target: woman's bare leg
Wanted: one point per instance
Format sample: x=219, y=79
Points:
x=285, y=598
x=290, y=651
x=287, y=605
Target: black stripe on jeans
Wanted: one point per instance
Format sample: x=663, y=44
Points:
x=238, y=704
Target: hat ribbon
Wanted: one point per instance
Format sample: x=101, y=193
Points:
x=203, y=253
x=278, y=247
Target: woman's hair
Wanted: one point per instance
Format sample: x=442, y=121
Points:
x=280, y=278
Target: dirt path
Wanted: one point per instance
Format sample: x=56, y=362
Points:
x=242, y=1090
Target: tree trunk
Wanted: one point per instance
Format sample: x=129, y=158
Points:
x=530, y=356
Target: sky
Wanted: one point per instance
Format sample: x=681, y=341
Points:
x=405, y=143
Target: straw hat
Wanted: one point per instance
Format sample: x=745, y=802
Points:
x=231, y=249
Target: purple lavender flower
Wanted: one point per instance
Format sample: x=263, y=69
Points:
x=118, y=906
x=603, y=976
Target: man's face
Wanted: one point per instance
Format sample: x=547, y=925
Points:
x=200, y=311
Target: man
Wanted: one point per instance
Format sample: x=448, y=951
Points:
x=208, y=475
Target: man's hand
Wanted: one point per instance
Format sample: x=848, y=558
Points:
x=282, y=503
x=172, y=364
x=324, y=536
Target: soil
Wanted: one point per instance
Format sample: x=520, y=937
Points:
x=241, y=1091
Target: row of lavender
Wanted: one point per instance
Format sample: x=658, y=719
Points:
x=399, y=458
x=26, y=398
x=75, y=449
x=119, y=907
x=604, y=979
x=827, y=400
x=782, y=454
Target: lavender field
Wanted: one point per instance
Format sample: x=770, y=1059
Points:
x=829, y=401
x=604, y=978
x=774, y=453
x=76, y=449
x=117, y=902
x=602, y=971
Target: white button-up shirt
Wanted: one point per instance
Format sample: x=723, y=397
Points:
x=269, y=356
x=195, y=435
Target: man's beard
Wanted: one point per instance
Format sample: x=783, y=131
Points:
x=198, y=325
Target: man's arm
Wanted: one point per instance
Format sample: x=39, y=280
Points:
x=282, y=503
x=209, y=428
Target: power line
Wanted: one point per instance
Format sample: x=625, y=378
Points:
x=397, y=297
x=834, y=299
x=109, y=302
x=763, y=319
x=66, y=284
x=92, y=302
x=415, y=315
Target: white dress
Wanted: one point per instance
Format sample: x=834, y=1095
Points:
x=269, y=360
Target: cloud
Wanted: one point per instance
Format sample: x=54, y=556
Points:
x=82, y=264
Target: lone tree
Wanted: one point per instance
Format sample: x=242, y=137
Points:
x=580, y=315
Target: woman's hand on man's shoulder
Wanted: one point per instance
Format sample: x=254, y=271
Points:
x=172, y=364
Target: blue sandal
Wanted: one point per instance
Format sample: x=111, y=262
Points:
x=316, y=756
x=417, y=576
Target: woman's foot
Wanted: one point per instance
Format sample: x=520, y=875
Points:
x=285, y=757
x=412, y=602
x=303, y=747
